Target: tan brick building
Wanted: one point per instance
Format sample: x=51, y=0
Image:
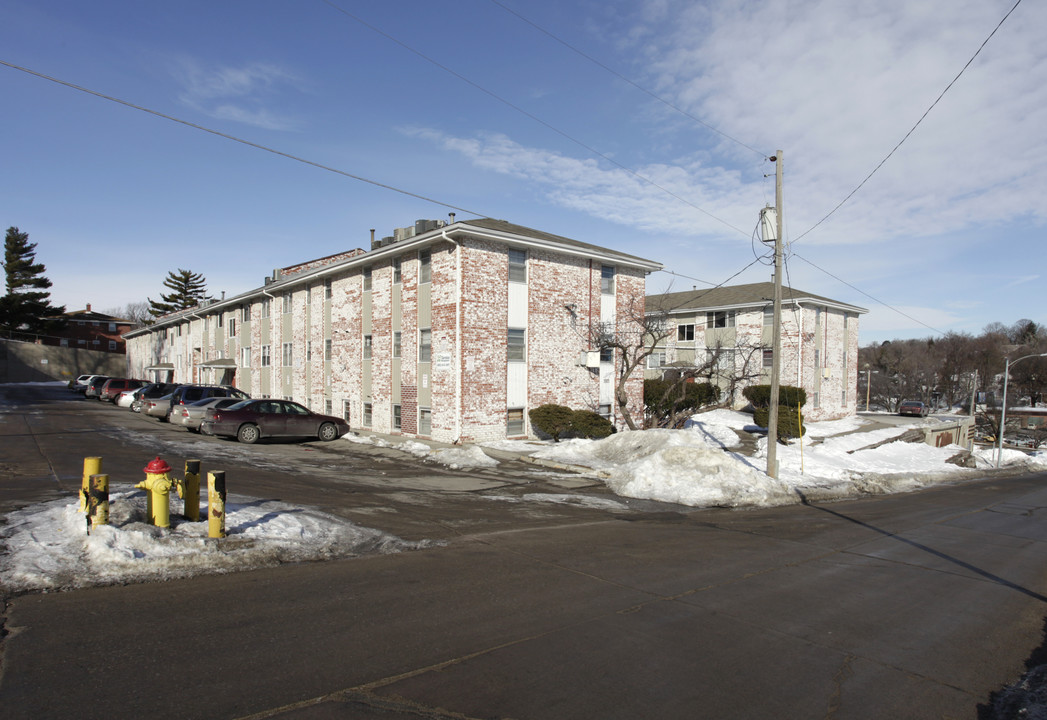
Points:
x=443, y=331
x=819, y=342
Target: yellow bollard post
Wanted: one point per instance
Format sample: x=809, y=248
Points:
x=189, y=491
x=99, y=501
x=158, y=482
x=216, y=504
x=92, y=466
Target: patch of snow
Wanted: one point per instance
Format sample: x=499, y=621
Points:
x=469, y=456
x=48, y=547
x=562, y=499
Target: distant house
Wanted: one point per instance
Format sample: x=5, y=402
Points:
x=443, y=331
x=726, y=333
x=90, y=330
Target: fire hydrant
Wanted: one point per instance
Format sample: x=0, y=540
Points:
x=158, y=482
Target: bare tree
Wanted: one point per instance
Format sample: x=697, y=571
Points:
x=136, y=312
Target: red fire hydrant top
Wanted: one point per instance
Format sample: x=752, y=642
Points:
x=157, y=467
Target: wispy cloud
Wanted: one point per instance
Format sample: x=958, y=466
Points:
x=1022, y=280
x=241, y=94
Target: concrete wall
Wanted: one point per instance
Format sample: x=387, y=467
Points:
x=29, y=362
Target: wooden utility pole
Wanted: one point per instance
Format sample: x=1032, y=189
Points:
x=776, y=365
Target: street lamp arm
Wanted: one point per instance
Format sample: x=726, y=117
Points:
x=1003, y=409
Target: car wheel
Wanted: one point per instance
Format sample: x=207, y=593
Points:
x=248, y=434
x=136, y=406
x=328, y=432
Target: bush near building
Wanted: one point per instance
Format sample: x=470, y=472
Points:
x=790, y=400
x=558, y=421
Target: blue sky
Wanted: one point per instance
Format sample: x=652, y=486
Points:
x=504, y=120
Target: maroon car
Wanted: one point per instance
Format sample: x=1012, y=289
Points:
x=250, y=420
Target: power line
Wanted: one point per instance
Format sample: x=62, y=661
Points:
x=886, y=305
x=240, y=140
x=527, y=114
x=618, y=75
x=913, y=129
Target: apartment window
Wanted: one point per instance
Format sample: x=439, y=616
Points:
x=768, y=316
x=397, y=270
x=327, y=350
x=817, y=358
x=518, y=266
x=288, y=351
x=517, y=350
x=425, y=269
x=245, y=357
x=367, y=278
x=606, y=355
x=63, y=342
x=112, y=327
x=112, y=345
x=396, y=344
x=604, y=410
x=843, y=397
x=367, y=347
x=287, y=303
x=814, y=400
x=684, y=333
x=722, y=358
x=768, y=357
x=396, y=417
x=655, y=360
x=514, y=424
x=425, y=345
x=308, y=350
x=265, y=356
x=82, y=342
x=719, y=319
x=265, y=307
x=367, y=415
x=425, y=421
x=309, y=295
x=328, y=408
x=95, y=342
x=817, y=316
x=607, y=279
x=232, y=327
x=220, y=319
x=245, y=313
x=327, y=289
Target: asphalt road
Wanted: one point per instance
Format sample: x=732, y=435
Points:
x=907, y=606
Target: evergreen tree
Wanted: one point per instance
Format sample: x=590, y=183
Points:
x=26, y=307
x=188, y=289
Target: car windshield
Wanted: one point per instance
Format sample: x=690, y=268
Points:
x=238, y=406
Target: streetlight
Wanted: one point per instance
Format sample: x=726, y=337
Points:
x=1003, y=411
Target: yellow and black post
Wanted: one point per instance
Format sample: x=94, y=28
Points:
x=189, y=491
x=216, y=504
x=158, y=482
x=92, y=466
x=98, y=504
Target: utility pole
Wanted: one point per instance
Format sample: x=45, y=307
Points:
x=776, y=366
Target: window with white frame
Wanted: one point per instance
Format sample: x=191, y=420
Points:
x=367, y=278
x=768, y=316
x=397, y=420
x=604, y=410
x=425, y=345
x=719, y=319
x=655, y=360
x=112, y=345
x=518, y=266
x=287, y=303
x=514, y=424
x=817, y=358
x=685, y=333
x=607, y=279
x=425, y=421
x=396, y=343
x=112, y=327
x=232, y=327
x=327, y=289
x=606, y=355
x=345, y=409
x=220, y=319
x=288, y=354
x=245, y=313
x=425, y=266
x=768, y=357
x=814, y=400
x=367, y=347
x=367, y=415
x=327, y=350
x=265, y=307
x=245, y=357
x=517, y=345
x=398, y=271
x=308, y=350
x=265, y=356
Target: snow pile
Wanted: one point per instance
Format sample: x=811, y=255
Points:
x=690, y=466
x=678, y=466
x=48, y=548
x=457, y=458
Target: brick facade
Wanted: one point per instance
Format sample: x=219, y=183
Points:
x=467, y=388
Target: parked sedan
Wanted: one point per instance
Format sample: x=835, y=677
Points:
x=250, y=420
x=190, y=416
x=125, y=398
x=912, y=407
x=157, y=407
x=94, y=386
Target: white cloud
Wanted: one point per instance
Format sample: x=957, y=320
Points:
x=240, y=94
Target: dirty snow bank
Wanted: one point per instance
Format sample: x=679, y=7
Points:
x=48, y=548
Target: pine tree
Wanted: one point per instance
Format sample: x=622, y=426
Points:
x=26, y=307
x=189, y=289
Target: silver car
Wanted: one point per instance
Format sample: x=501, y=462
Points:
x=190, y=416
x=157, y=407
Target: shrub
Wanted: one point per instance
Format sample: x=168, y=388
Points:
x=552, y=420
x=587, y=424
x=665, y=398
x=789, y=399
